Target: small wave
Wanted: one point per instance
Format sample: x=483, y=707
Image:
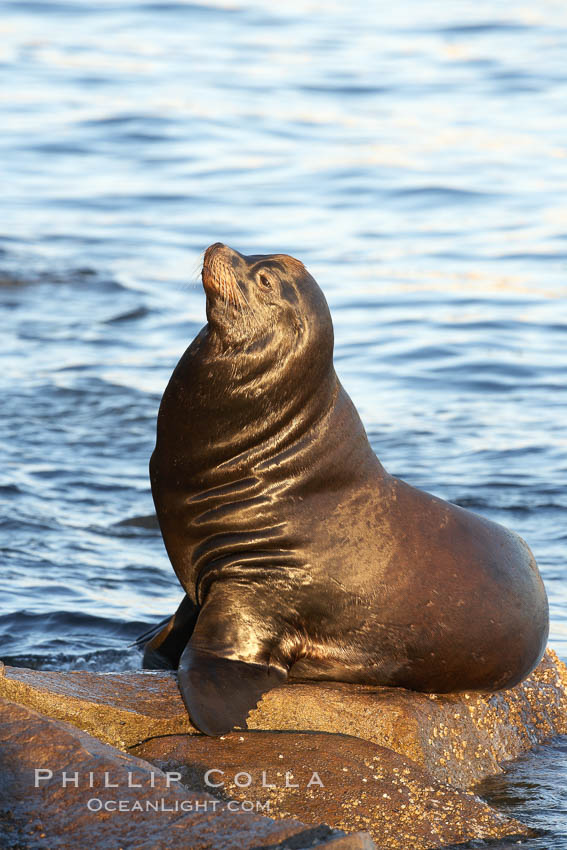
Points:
x=539, y=256
x=189, y=8
x=489, y=506
x=446, y=194
x=131, y=315
x=98, y=661
x=70, y=621
x=149, y=521
x=346, y=90
x=84, y=275
x=58, y=148
x=482, y=27
x=10, y=279
x=498, y=370
x=48, y=7
x=10, y=490
x=67, y=637
x=124, y=120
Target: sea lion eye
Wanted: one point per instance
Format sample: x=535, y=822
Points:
x=264, y=281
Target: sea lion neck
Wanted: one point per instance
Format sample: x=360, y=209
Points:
x=236, y=402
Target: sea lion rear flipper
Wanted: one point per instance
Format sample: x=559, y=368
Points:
x=164, y=644
x=220, y=692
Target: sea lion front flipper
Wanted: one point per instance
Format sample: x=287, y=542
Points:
x=220, y=692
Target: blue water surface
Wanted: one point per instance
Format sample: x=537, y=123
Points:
x=414, y=156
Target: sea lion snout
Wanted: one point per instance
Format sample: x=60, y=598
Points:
x=218, y=252
x=218, y=273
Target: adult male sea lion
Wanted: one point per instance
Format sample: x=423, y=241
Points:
x=300, y=556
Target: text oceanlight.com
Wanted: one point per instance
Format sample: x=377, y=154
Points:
x=95, y=804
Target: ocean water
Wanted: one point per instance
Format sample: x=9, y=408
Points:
x=414, y=156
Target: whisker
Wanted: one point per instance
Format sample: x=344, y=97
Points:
x=196, y=271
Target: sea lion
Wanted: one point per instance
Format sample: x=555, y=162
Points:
x=300, y=556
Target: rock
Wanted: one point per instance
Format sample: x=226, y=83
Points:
x=57, y=814
x=358, y=841
x=459, y=739
x=345, y=782
x=121, y=709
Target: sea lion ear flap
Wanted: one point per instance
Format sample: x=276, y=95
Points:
x=220, y=692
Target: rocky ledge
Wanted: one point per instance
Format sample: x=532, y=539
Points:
x=62, y=789
x=326, y=756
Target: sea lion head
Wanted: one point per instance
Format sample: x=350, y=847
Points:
x=258, y=373
x=265, y=303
